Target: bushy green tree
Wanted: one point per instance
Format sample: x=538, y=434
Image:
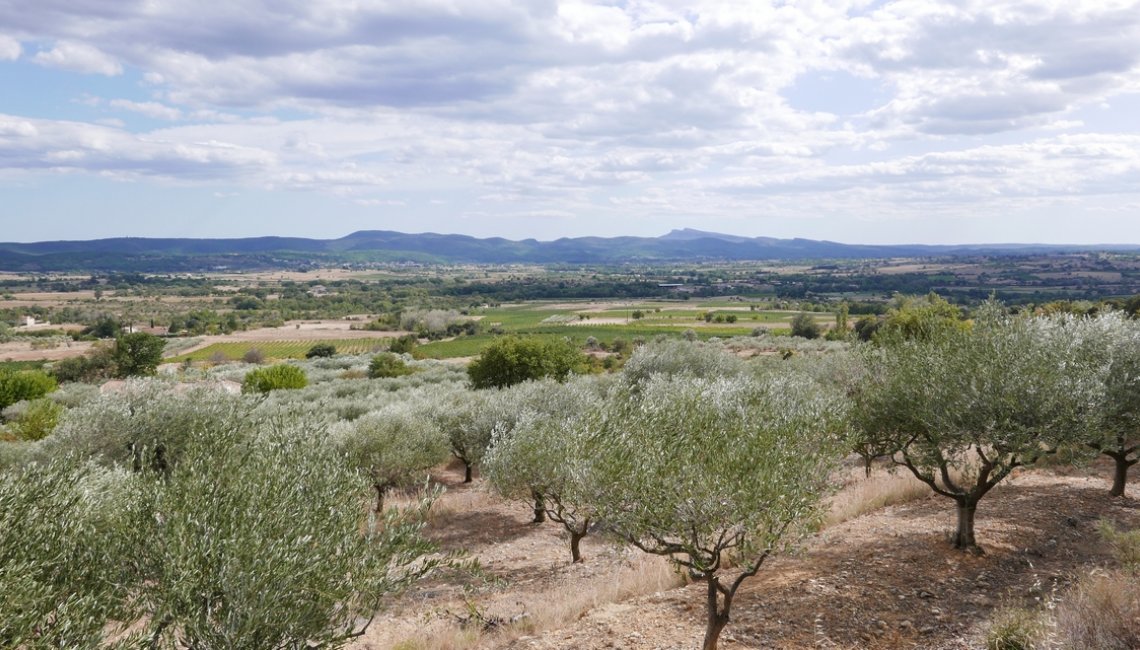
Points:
x=714, y=473
x=393, y=447
x=963, y=410
x=512, y=360
x=137, y=354
x=921, y=318
x=96, y=365
x=321, y=351
x=279, y=377
x=804, y=326
x=404, y=344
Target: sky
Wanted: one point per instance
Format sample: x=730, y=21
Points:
x=914, y=121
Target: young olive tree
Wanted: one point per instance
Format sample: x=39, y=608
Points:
x=714, y=473
x=468, y=419
x=545, y=454
x=1118, y=434
x=963, y=410
x=264, y=541
x=672, y=357
x=393, y=447
x=144, y=427
x=69, y=534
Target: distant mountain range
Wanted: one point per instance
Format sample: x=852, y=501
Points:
x=136, y=254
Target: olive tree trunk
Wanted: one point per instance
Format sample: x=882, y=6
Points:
x=717, y=617
x=1120, y=473
x=539, y=509
x=964, y=536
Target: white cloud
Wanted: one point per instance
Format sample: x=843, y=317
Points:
x=79, y=57
x=152, y=110
x=46, y=145
x=610, y=109
x=10, y=49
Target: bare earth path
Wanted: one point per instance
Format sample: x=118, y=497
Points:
x=888, y=579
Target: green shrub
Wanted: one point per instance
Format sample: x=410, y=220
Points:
x=804, y=326
x=404, y=345
x=278, y=377
x=24, y=385
x=511, y=360
x=387, y=364
x=321, y=350
x=37, y=420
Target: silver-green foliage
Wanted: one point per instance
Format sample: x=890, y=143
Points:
x=671, y=357
x=259, y=544
x=69, y=537
x=468, y=418
x=393, y=447
x=965, y=409
x=146, y=425
x=544, y=452
x=707, y=470
x=1115, y=341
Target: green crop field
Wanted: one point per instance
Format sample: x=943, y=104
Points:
x=281, y=349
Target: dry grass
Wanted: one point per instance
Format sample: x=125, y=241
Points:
x=1102, y=612
x=477, y=625
x=644, y=574
x=862, y=495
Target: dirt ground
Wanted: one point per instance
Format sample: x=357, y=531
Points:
x=888, y=579
x=309, y=330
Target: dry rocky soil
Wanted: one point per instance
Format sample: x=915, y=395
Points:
x=887, y=579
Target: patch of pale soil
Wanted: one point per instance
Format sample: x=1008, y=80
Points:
x=23, y=351
x=888, y=579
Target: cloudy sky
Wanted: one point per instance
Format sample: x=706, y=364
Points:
x=856, y=121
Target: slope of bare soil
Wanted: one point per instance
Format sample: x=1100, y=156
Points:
x=888, y=579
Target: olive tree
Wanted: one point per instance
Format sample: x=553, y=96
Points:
x=671, y=357
x=393, y=447
x=1116, y=341
x=963, y=410
x=146, y=426
x=468, y=418
x=715, y=474
x=543, y=458
x=69, y=535
x=264, y=542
